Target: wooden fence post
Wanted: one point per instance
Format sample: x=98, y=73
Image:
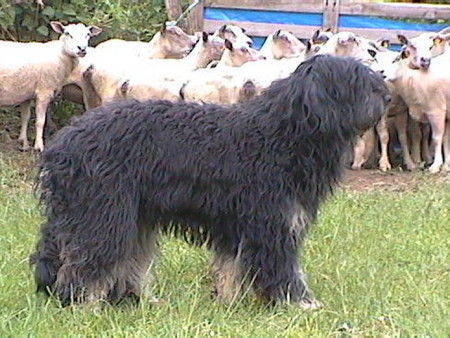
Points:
x=195, y=18
x=173, y=9
x=331, y=15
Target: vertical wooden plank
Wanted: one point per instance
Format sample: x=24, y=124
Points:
x=173, y=9
x=331, y=15
x=195, y=18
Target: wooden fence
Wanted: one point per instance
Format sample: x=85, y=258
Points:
x=302, y=17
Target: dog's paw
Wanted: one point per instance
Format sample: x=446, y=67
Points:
x=309, y=304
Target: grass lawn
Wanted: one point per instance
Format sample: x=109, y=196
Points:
x=379, y=260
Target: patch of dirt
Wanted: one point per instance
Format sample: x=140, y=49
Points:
x=394, y=180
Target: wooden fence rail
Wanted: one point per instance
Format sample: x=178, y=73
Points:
x=303, y=17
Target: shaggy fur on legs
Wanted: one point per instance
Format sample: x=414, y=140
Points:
x=246, y=179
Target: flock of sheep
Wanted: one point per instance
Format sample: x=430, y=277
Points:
x=223, y=68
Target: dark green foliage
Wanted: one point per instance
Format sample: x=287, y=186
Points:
x=25, y=20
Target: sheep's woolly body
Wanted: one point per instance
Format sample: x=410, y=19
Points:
x=43, y=70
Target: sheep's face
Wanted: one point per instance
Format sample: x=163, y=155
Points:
x=176, y=42
x=239, y=53
x=390, y=69
x=385, y=62
x=320, y=37
x=75, y=37
x=286, y=45
x=420, y=50
x=213, y=48
x=234, y=34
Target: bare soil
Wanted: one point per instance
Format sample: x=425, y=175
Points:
x=395, y=180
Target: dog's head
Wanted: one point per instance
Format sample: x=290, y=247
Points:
x=342, y=93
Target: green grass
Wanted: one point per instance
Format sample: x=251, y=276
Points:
x=379, y=261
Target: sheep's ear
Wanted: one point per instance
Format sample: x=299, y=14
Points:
x=57, y=26
x=94, y=30
x=303, y=41
x=328, y=29
x=163, y=27
x=404, y=54
x=243, y=30
x=228, y=45
x=308, y=45
x=315, y=35
x=277, y=33
x=403, y=40
x=445, y=31
x=384, y=43
x=205, y=37
x=223, y=28
x=441, y=38
x=372, y=52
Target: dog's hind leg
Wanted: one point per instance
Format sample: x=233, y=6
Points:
x=134, y=272
x=103, y=238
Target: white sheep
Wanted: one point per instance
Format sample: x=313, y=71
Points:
x=282, y=44
x=140, y=78
x=37, y=71
x=226, y=85
x=234, y=34
x=171, y=42
x=426, y=91
x=238, y=53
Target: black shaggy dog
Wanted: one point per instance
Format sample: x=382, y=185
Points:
x=247, y=180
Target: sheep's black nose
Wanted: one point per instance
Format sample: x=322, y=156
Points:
x=425, y=62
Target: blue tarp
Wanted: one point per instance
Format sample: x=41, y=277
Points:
x=288, y=18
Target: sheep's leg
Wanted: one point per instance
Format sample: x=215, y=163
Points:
x=25, y=112
x=416, y=138
x=446, y=166
x=358, y=151
x=90, y=96
x=363, y=149
x=41, y=109
x=401, y=123
x=382, y=131
x=437, y=122
x=426, y=154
